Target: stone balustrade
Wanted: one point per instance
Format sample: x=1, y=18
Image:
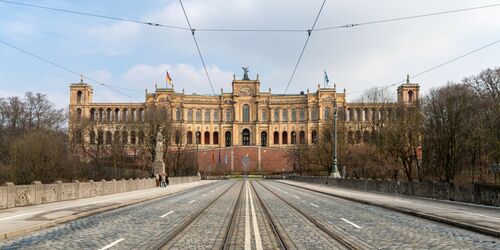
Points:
x=12, y=195
x=471, y=193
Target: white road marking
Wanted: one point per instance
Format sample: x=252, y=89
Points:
x=247, y=222
x=163, y=216
x=204, y=195
x=256, y=232
x=296, y=197
x=356, y=226
x=112, y=244
x=465, y=212
x=212, y=191
x=314, y=205
x=192, y=201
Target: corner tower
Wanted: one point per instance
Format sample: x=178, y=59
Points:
x=408, y=93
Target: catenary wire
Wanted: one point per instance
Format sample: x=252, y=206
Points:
x=94, y=15
x=407, y=17
x=112, y=87
x=197, y=47
x=305, y=45
x=436, y=66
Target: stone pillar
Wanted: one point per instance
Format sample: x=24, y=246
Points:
x=113, y=189
x=38, y=192
x=59, y=190
x=11, y=194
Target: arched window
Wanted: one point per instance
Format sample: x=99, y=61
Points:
x=284, y=137
x=410, y=96
x=198, y=115
x=78, y=114
x=189, y=137
x=206, y=139
x=228, y=115
x=314, y=137
x=207, y=115
x=366, y=114
x=302, y=115
x=132, y=138
x=276, y=115
x=78, y=136
x=79, y=97
x=294, y=137
x=302, y=136
x=92, y=137
x=246, y=137
x=216, y=116
x=263, y=139
x=101, y=115
x=216, y=138
x=109, y=113
x=276, y=138
x=264, y=116
x=178, y=114
x=124, y=137
x=178, y=137
x=314, y=114
x=327, y=114
x=246, y=113
x=294, y=115
x=140, y=115
x=108, y=137
x=285, y=115
x=117, y=115
x=228, y=138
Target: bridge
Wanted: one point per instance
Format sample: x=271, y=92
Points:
x=251, y=213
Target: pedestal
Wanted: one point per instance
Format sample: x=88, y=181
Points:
x=159, y=167
x=335, y=174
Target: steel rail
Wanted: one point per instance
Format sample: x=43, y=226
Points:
x=230, y=228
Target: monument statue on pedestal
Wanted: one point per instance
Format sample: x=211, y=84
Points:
x=158, y=164
x=245, y=73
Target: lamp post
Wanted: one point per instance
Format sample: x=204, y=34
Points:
x=335, y=172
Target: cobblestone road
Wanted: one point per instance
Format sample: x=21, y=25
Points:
x=381, y=227
x=149, y=224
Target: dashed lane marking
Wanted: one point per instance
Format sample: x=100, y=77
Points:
x=204, y=195
x=296, y=197
x=112, y=244
x=163, y=216
x=192, y=201
x=314, y=205
x=354, y=225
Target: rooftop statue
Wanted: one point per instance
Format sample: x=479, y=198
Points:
x=245, y=73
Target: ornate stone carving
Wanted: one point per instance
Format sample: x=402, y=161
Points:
x=246, y=91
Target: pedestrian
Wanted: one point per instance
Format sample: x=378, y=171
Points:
x=166, y=178
x=163, y=181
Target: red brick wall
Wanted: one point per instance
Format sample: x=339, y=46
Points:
x=272, y=160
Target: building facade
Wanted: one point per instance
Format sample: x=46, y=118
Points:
x=246, y=118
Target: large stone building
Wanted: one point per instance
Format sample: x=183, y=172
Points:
x=243, y=122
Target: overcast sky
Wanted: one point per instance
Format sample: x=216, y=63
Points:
x=135, y=56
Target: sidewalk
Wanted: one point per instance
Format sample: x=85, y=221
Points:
x=483, y=219
x=19, y=221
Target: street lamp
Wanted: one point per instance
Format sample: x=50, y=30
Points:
x=335, y=172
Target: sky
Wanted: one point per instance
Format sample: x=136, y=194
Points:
x=135, y=56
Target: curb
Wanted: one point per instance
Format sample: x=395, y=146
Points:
x=478, y=229
x=31, y=229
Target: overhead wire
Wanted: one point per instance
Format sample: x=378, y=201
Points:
x=95, y=15
x=197, y=47
x=112, y=87
x=406, y=17
x=304, y=47
x=436, y=66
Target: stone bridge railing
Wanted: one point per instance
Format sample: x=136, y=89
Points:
x=12, y=195
x=471, y=193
